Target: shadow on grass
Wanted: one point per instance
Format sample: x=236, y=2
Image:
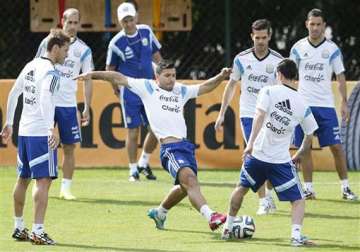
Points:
x=117, y=202
x=318, y=215
x=93, y=247
x=341, y=201
x=223, y=185
x=281, y=242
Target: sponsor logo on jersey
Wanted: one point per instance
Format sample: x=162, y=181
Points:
x=171, y=98
x=30, y=76
x=279, y=131
x=306, y=55
x=31, y=101
x=30, y=89
x=176, y=90
x=284, y=106
x=280, y=118
x=314, y=67
x=253, y=90
x=69, y=63
x=258, y=78
x=175, y=109
x=248, y=67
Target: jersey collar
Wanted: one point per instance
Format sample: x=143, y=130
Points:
x=316, y=46
x=45, y=58
x=289, y=87
x=260, y=59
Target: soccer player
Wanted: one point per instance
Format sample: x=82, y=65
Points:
x=131, y=53
x=79, y=59
x=256, y=69
x=164, y=101
x=37, y=142
x=279, y=109
x=317, y=58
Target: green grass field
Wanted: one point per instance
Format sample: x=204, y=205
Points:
x=110, y=215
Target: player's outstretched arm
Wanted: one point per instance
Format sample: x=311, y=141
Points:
x=110, y=76
x=256, y=127
x=226, y=99
x=213, y=82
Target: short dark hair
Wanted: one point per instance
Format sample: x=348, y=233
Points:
x=316, y=13
x=261, y=24
x=57, y=37
x=288, y=68
x=164, y=64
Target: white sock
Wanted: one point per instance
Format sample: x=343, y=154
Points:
x=268, y=192
x=133, y=168
x=19, y=223
x=344, y=184
x=262, y=201
x=144, y=159
x=296, y=231
x=308, y=186
x=162, y=212
x=229, y=222
x=206, y=212
x=38, y=228
x=65, y=184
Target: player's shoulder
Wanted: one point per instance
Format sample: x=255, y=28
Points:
x=300, y=42
x=244, y=53
x=79, y=42
x=275, y=54
x=331, y=44
x=143, y=27
x=118, y=37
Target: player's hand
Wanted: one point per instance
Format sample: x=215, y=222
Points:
x=116, y=89
x=225, y=72
x=53, y=140
x=345, y=112
x=6, y=133
x=219, y=123
x=85, y=119
x=247, y=151
x=84, y=76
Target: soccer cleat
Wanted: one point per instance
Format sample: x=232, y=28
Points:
x=66, y=195
x=41, y=239
x=349, y=195
x=134, y=177
x=271, y=202
x=309, y=195
x=147, y=172
x=303, y=241
x=226, y=234
x=159, y=222
x=21, y=235
x=264, y=208
x=216, y=220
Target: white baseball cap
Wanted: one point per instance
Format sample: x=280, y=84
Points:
x=126, y=9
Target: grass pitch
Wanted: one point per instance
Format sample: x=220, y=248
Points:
x=110, y=215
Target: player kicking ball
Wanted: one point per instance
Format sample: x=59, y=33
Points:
x=279, y=109
x=164, y=100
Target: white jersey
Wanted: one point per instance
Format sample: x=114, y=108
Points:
x=164, y=109
x=79, y=59
x=254, y=73
x=316, y=65
x=38, y=82
x=285, y=109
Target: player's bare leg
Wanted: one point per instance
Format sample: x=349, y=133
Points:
x=340, y=164
x=307, y=167
x=297, y=217
x=131, y=147
x=68, y=167
x=19, y=195
x=150, y=144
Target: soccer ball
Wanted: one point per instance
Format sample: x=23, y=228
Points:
x=243, y=227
